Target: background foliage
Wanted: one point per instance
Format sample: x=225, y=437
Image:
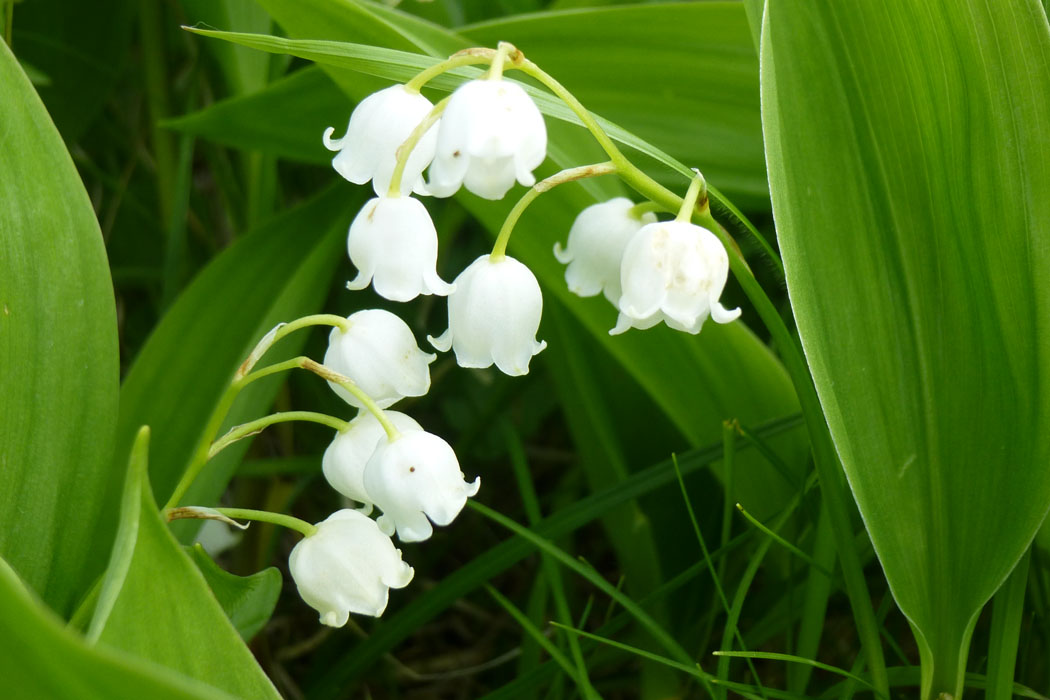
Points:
x=209, y=191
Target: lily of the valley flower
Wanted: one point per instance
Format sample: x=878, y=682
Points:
x=378, y=126
x=673, y=271
x=394, y=245
x=490, y=134
x=595, y=248
x=416, y=479
x=347, y=566
x=493, y=316
x=344, y=461
x=378, y=353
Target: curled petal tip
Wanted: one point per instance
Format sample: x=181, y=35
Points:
x=440, y=189
x=403, y=578
x=722, y=315
x=332, y=619
x=360, y=282
x=562, y=254
x=386, y=525
x=330, y=143
x=623, y=324
x=442, y=343
x=439, y=287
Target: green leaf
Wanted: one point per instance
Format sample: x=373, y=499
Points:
x=167, y=614
x=625, y=63
x=58, y=358
x=39, y=658
x=909, y=167
x=366, y=23
x=594, y=433
x=285, y=119
x=188, y=361
x=127, y=535
x=1005, y=634
x=343, y=59
x=245, y=71
x=248, y=600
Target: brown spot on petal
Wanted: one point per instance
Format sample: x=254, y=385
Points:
x=411, y=469
x=372, y=212
x=455, y=154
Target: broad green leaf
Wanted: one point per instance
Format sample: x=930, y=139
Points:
x=40, y=658
x=126, y=537
x=285, y=119
x=58, y=358
x=277, y=273
x=625, y=64
x=167, y=614
x=909, y=167
x=248, y=600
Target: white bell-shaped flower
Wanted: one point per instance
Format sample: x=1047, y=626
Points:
x=379, y=354
x=344, y=461
x=595, y=248
x=347, y=566
x=415, y=479
x=394, y=245
x=673, y=271
x=493, y=316
x=490, y=134
x=378, y=126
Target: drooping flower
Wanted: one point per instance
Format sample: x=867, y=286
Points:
x=378, y=126
x=490, y=134
x=379, y=354
x=415, y=480
x=344, y=461
x=394, y=245
x=673, y=271
x=493, y=316
x=595, y=247
x=347, y=566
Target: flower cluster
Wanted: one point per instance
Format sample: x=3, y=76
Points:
x=671, y=271
x=486, y=136
x=384, y=460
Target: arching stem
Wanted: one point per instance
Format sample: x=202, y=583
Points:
x=499, y=249
x=255, y=427
x=265, y=516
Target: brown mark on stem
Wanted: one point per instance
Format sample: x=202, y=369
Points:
x=200, y=513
